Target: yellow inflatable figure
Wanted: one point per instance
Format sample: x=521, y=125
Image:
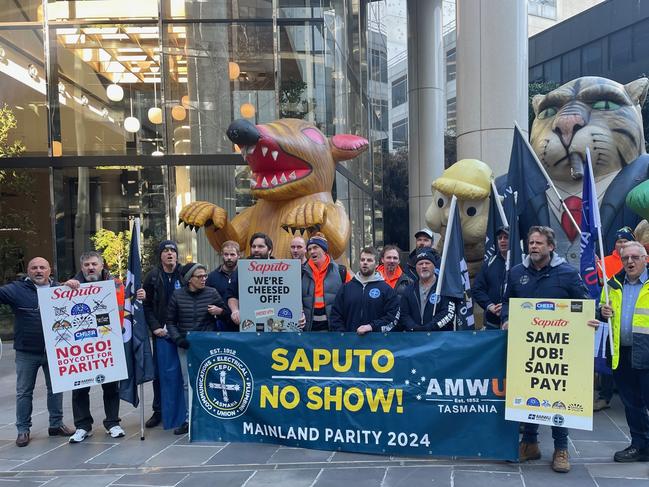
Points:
x=293, y=168
x=470, y=181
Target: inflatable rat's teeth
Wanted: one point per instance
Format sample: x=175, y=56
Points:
x=264, y=150
x=274, y=154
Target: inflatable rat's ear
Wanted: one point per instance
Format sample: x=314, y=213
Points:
x=347, y=146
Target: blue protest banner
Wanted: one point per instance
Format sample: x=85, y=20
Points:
x=399, y=393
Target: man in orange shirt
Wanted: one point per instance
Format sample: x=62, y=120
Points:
x=391, y=270
x=321, y=279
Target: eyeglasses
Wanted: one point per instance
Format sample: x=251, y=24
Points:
x=202, y=276
x=634, y=258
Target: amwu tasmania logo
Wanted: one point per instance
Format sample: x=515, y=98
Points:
x=224, y=386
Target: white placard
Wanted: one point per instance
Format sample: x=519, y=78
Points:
x=83, y=335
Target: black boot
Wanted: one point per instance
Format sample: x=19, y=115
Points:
x=154, y=420
x=182, y=429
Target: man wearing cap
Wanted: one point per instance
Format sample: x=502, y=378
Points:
x=613, y=265
x=261, y=247
x=391, y=270
x=321, y=280
x=489, y=284
x=189, y=311
x=366, y=303
x=418, y=300
x=423, y=239
x=159, y=284
x=221, y=278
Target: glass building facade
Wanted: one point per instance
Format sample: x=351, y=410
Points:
x=122, y=106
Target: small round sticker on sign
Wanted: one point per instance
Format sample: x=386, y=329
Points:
x=374, y=293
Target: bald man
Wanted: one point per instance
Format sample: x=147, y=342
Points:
x=29, y=344
x=298, y=249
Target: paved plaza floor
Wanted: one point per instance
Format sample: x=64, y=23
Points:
x=163, y=459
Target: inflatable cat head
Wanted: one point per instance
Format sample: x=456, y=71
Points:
x=592, y=112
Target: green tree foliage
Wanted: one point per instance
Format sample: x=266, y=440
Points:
x=14, y=184
x=114, y=248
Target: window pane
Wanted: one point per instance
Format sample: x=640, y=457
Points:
x=217, y=9
x=536, y=74
x=87, y=200
x=640, y=40
x=223, y=72
x=303, y=85
x=570, y=66
x=619, y=53
x=108, y=79
x=591, y=59
x=101, y=9
x=301, y=8
x=552, y=70
x=22, y=11
x=399, y=91
x=22, y=84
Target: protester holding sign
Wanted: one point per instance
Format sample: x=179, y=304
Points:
x=189, y=311
x=366, y=303
x=261, y=247
x=627, y=311
x=321, y=280
x=92, y=270
x=29, y=344
x=543, y=274
x=418, y=300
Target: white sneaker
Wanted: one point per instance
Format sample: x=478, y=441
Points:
x=116, y=432
x=79, y=436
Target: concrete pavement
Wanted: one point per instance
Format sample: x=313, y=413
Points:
x=163, y=459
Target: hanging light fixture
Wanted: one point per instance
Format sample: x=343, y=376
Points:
x=131, y=124
x=157, y=153
x=155, y=113
x=178, y=113
x=57, y=148
x=247, y=110
x=233, y=70
x=184, y=101
x=115, y=92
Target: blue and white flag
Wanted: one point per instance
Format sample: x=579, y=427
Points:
x=139, y=360
x=590, y=223
x=455, y=281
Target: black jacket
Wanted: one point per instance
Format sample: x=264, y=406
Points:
x=22, y=297
x=156, y=305
x=188, y=311
x=489, y=286
x=411, y=319
x=374, y=303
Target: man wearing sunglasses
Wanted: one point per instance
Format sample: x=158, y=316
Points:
x=628, y=309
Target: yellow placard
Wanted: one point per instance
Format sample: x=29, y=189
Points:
x=550, y=362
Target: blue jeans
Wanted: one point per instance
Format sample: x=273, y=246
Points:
x=633, y=387
x=27, y=365
x=559, y=434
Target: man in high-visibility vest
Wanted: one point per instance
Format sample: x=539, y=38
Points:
x=628, y=310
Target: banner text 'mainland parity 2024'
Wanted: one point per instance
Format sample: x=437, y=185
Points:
x=415, y=394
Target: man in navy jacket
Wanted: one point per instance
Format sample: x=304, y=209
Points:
x=543, y=274
x=489, y=285
x=29, y=343
x=418, y=300
x=366, y=303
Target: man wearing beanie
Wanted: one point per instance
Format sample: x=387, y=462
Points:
x=418, y=300
x=321, y=280
x=366, y=303
x=188, y=311
x=159, y=284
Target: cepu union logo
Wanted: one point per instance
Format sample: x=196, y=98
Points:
x=224, y=386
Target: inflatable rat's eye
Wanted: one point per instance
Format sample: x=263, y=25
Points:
x=314, y=135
